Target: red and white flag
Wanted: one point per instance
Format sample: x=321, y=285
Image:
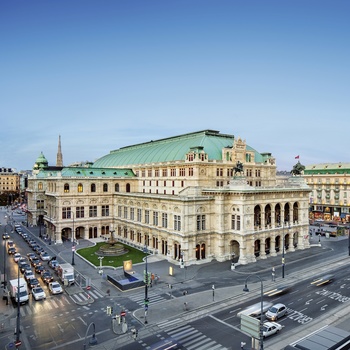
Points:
x=296, y=157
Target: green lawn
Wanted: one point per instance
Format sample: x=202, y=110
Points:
x=116, y=261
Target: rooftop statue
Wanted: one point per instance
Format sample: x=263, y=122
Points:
x=298, y=169
x=238, y=168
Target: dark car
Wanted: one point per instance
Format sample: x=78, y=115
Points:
x=39, y=269
x=33, y=282
x=35, y=262
x=12, y=250
x=24, y=267
x=46, y=277
x=5, y=236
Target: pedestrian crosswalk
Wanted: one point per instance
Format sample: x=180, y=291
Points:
x=153, y=298
x=191, y=338
x=86, y=296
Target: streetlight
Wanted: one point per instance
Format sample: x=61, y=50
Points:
x=93, y=340
x=145, y=250
x=73, y=245
x=4, y=244
x=283, y=260
x=18, y=342
x=245, y=289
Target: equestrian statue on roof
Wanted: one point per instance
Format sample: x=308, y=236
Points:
x=298, y=169
x=238, y=168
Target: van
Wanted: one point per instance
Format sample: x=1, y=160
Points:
x=255, y=310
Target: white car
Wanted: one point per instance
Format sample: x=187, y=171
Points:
x=28, y=275
x=45, y=256
x=38, y=293
x=16, y=257
x=55, y=288
x=270, y=328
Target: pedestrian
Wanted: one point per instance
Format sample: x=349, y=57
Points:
x=242, y=344
x=108, y=292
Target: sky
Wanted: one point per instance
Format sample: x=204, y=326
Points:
x=106, y=74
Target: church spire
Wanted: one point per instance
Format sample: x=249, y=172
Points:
x=59, y=160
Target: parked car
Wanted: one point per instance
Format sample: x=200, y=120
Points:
x=270, y=328
x=38, y=293
x=55, y=288
x=276, y=311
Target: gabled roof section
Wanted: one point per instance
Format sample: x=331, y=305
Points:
x=171, y=149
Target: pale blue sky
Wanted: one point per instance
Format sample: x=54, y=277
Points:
x=108, y=74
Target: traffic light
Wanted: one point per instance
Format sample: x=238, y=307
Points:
x=109, y=310
x=145, y=277
x=146, y=301
x=149, y=280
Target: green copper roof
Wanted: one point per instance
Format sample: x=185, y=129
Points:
x=91, y=172
x=171, y=149
x=327, y=168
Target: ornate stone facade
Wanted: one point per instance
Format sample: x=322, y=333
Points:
x=179, y=197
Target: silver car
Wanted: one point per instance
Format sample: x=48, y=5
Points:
x=276, y=311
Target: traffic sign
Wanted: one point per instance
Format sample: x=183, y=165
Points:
x=88, y=287
x=18, y=343
x=73, y=248
x=122, y=313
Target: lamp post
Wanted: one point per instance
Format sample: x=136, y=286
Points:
x=93, y=340
x=145, y=250
x=4, y=244
x=73, y=245
x=283, y=250
x=18, y=331
x=245, y=289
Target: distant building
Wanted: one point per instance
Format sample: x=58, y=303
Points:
x=330, y=191
x=180, y=196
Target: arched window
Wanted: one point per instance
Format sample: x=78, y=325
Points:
x=80, y=187
x=127, y=187
x=105, y=187
x=93, y=188
x=66, y=188
x=116, y=187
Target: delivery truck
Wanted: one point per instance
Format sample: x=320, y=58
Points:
x=23, y=290
x=65, y=273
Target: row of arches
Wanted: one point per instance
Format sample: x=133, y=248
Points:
x=93, y=188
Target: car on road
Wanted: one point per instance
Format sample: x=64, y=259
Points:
x=16, y=257
x=5, y=236
x=38, y=293
x=35, y=262
x=282, y=289
x=55, y=288
x=12, y=251
x=270, y=328
x=33, y=282
x=276, y=311
x=39, y=269
x=53, y=264
x=323, y=280
x=24, y=266
x=28, y=274
x=46, y=277
x=255, y=310
x=45, y=256
x=31, y=256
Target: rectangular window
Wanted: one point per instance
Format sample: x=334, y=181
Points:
x=190, y=171
x=173, y=172
x=105, y=210
x=149, y=172
x=119, y=211
x=233, y=222
x=155, y=218
x=156, y=172
x=125, y=212
x=139, y=215
x=132, y=213
x=238, y=222
x=164, y=220
x=200, y=222
x=146, y=216
x=177, y=222
x=164, y=172
x=80, y=212
x=143, y=173
x=219, y=172
x=93, y=211
x=182, y=172
x=66, y=213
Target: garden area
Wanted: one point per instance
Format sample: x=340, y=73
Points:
x=93, y=253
